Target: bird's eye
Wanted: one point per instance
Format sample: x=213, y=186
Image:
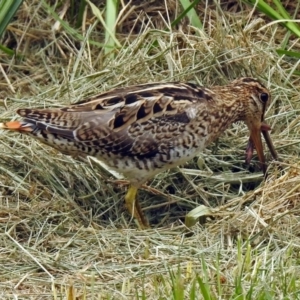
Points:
x=264, y=97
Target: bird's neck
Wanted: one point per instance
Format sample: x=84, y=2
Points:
x=217, y=117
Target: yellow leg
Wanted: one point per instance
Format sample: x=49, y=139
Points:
x=134, y=208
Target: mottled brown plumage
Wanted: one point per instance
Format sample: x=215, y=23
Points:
x=142, y=130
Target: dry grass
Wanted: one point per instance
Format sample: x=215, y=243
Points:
x=64, y=229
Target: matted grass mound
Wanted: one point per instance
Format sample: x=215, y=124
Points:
x=65, y=233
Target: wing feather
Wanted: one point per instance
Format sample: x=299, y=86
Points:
x=135, y=120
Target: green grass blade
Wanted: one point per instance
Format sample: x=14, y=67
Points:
x=8, y=9
x=282, y=10
x=68, y=29
x=203, y=283
x=190, y=12
x=282, y=16
x=193, y=291
x=109, y=34
x=82, y=6
x=7, y=50
x=111, y=18
x=186, y=11
x=288, y=53
x=265, y=8
x=204, y=288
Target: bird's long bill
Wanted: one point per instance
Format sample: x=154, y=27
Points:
x=270, y=144
x=255, y=141
x=255, y=138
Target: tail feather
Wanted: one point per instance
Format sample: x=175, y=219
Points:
x=17, y=126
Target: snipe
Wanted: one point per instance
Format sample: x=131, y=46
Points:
x=144, y=129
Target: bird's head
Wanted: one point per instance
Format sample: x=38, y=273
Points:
x=256, y=99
